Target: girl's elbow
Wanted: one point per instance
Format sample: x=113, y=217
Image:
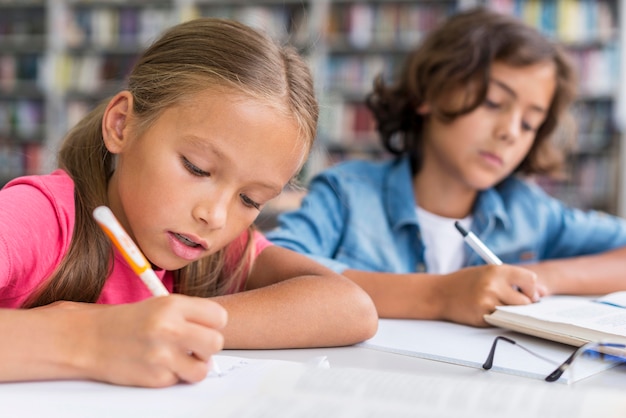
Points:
x=364, y=314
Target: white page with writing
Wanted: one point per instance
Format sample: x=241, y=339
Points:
x=356, y=393
x=469, y=346
x=616, y=299
x=581, y=312
x=251, y=388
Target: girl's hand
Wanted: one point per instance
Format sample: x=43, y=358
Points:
x=147, y=343
x=468, y=294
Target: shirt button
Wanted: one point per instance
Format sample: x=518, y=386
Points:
x=420, y=267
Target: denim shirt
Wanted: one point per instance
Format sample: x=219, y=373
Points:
x=361, y=215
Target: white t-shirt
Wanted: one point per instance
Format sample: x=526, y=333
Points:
x=444, y=245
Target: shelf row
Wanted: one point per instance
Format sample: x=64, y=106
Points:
x=58, y=58
x=346, y=74
x=357, y=24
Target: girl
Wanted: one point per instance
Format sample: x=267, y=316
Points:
x=473, y=111
x=215, y=121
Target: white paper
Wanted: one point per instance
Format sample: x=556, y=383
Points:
x=355, y=393
x=251, y=388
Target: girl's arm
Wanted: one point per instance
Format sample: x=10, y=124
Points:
x=294, y=302
x=584, y=275
x=138, y=344
x=463, y=296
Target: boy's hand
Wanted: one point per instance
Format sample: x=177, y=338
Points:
x=472, y=292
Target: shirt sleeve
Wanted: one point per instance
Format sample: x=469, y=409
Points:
x=34, y=236
x=574, y=232
x=316, y=228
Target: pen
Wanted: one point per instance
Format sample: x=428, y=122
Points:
x=134, y=257
x=137, y=261
x=477, y=245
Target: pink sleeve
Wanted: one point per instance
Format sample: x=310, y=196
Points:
x=35, y=232
x=235, y=252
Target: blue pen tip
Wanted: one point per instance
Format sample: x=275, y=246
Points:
x=460, y=228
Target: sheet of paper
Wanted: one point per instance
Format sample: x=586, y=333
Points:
x=355, y=393
x=250, y=388
x=469, y=346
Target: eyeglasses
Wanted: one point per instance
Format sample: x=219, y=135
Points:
x=606, y=351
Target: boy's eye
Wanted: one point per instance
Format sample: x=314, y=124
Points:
x=249, y=202
x=528, y=127
x=193, y=169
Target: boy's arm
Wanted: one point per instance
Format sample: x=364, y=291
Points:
x=463, y=296
x=584, y=275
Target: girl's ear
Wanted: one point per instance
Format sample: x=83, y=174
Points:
x=115, y=121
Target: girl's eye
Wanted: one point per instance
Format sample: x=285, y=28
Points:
x=193, y=169
x=249, y=202
x=491, y=104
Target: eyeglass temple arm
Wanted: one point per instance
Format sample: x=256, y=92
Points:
x=556, y=374
x=488, y=364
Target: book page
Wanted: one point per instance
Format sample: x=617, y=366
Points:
x=616, y=299
x=580, y=312
x=254, y=388
x=347, y=393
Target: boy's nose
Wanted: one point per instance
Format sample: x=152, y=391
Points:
x=509, y=126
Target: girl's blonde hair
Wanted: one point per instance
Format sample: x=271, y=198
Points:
x=455, y=60
x=205, y=53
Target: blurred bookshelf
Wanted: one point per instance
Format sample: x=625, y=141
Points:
x=58, y=58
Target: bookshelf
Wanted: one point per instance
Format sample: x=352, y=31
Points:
x=60, y=57
x=23, y=30
x=363, y=40
x=96, y=43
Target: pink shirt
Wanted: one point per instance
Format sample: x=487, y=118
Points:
x=36, y=225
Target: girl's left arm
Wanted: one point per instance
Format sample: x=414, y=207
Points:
x=293, y=302
x=583, y=275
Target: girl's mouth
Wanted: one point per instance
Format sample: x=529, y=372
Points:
x=186, y=240
x=185, y=247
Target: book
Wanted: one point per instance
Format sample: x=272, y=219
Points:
x=573, y=320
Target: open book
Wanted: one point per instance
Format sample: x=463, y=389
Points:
x=567, y=319
x=254, y=388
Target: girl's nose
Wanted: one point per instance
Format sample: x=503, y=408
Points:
x=213, y=213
